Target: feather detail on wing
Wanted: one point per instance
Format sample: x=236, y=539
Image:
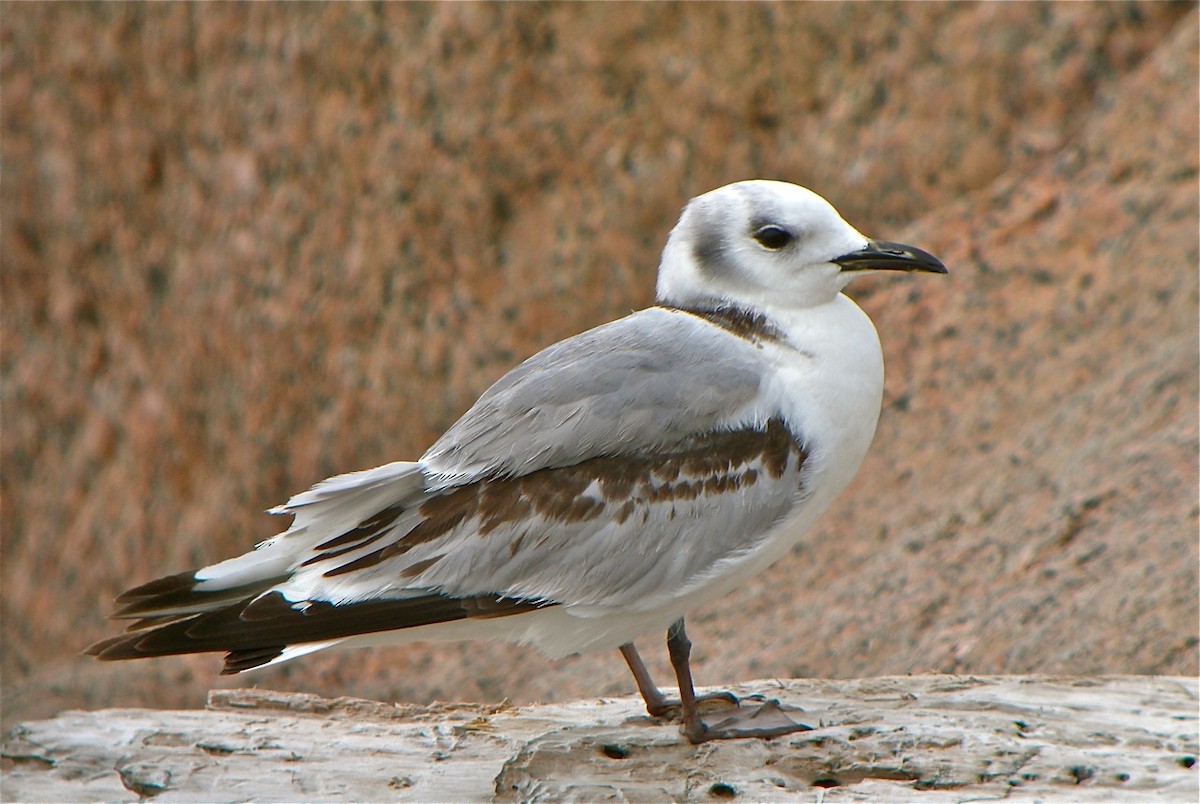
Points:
x=257, y=632
x=617, y=531
x=650, y=379
x=594, y=474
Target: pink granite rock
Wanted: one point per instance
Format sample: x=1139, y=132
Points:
x=246, y=247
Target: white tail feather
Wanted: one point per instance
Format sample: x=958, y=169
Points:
x=329, y=509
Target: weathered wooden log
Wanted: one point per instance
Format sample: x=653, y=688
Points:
x=932, y=738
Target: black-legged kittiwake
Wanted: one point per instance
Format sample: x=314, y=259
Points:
x=599, y=490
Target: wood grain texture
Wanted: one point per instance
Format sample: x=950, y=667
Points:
x=927, y=738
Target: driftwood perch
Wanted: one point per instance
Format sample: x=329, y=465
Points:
x=933, y=738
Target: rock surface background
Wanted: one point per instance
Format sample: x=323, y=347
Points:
x=247, y=247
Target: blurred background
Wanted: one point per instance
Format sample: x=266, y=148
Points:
x=247, y=246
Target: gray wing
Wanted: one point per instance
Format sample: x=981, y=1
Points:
x=619, y=468
x=644, y=381
x=628, y=461
x=635, y=529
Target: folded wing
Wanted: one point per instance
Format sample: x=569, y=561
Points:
x=592, y=475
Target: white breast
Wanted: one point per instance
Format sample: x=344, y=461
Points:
x=829, y=382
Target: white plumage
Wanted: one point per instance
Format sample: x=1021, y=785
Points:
x=601, y=488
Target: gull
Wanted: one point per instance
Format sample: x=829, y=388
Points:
x=599, y=490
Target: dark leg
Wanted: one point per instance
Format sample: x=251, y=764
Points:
x=767, y=720
x=657, y=704
x=679, y=648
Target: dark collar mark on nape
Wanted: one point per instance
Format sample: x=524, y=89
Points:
x=752, y=326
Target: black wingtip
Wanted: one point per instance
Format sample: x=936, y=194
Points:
x=115, y=649
x=172, y=584
x=179, y=595
x=239, y=661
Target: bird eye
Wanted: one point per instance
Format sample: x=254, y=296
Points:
x=773, y=237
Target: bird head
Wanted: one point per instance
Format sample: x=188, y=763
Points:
x=770, y=243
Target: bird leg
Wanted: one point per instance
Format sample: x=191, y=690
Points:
x=657, y=704
x=767, y=720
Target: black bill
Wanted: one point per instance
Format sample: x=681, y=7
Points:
x=880, y=255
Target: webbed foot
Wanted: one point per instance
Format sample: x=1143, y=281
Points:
x=764, y=721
